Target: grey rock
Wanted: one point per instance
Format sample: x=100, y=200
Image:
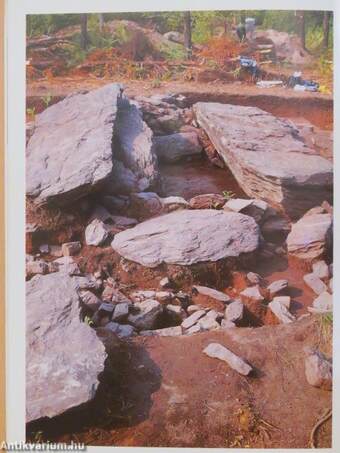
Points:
x=70, y=151
x=164, y=296
x=192, y=308
x=146, y=204
x=281, y=311
x=187, y=237
x=254, y=278
x=320, y=268
x=234, y=311
x=192, y=319
x=213, y=293
x=55, y=362
x=176, y=311
x=324, y=302
x=208, y=323
x=172, y=148
x=96, y=233
x=139, y=296
x=253, y=293
x=147, y=317
x=44, y=249
x=71, y=248
x=318, y=371
x=121, y=312
x=259, y=150
x=227, y=324
x=173, y=203
x=136, y=155
x=277, y=287
x=311, y=237
x=314, y=282
x=196, y=328
x=166, y=332
x=36, y=267
x=121, y=330
x=220, y=352
x=283, y=300
x=165, y=282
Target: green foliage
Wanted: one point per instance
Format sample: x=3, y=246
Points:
x=46, y=99
x=30, y=112
x=173, y=51
x=228, y=194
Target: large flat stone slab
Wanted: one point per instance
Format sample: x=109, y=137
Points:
x=70, y=152
x=188, y=237
x=266, y=156
x=89, y=142
x=63, y=355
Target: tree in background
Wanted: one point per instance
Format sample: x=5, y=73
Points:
x=325, y=26
x=187, y=33
x=84, y=39
x=101, y=22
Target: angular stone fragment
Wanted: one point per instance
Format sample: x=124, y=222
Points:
x=188, y=237
x=148, y=315
x=192, y=308
x=324, y=302
x=314, y=282
x=173, y=203
x=218, y=351
x=121, y=312
x=318, y=371
x=213, y=293
x=194, y=329
x=281, y=311
x=321, y=270
x=208, y=323
x=234, y=311
x=96, y=233
x=277, y=287
x=311, y=237
x=259, y=150
x=192, y=319
x=227, y=324
x=283, y=300
x=253, y=293
x=145, y=204
x=254, y=278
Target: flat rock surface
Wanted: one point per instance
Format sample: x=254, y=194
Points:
x=70, y=151
x=187, y=237
x=266, y=157
x=65, y=355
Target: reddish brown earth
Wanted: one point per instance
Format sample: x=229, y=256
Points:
x=164, y=392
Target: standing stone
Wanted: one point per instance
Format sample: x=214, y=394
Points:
x=218, y=351
x=188, y=237
x=266, y=157
x=55, y=362
x=96, y=233
x=70, y=151
x=318, y=371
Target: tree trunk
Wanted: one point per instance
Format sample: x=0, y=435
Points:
x=325, y=26
x=101, y=22
x=84, y=40
x=187, y=33
x=302, y=29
